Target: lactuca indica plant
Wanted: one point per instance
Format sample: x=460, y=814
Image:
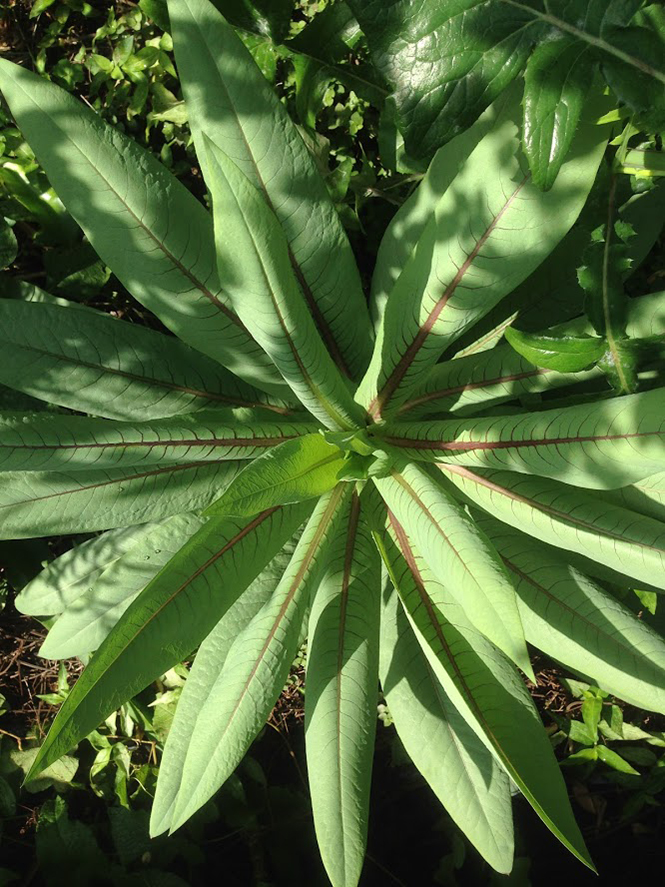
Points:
x=300, y=465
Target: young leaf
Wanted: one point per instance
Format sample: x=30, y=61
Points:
x=291, y=472
x=575, y=520
x=226, y=94
x=614, y=443
x=172, y=615
x=50, y=503
x=459, y=768
x=254, y=265
x=160, y=244
x=257, y=665
x=484, y=686
x=340, y=703
x=565, y=354
x=454, y=547
x=90, y=362
x=77, y=443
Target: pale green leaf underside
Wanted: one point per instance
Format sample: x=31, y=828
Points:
x=78, y=443
x=51, y=503
x=459, y=768
x=172, y=615
x=340, y=703
x=88, y=361
x=142, y=222
x=230, y=102
x=256, y=666
x=566, y=517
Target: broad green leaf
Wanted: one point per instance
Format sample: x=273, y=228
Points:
x=570, y=618
x=575, y=520
x=160, y=244
x=340, y=703
x=51, y=503
x=90, y=362
x=87, y=620
x=454, y=546
x=231, y=103
x=78, y=443
x=557, y=80
x=610, y=444
x=484, y=687
x=456, y=274
x=170, y=617
x=63, y=581
x=201, y=681
x=257, y=665
x=254, y=265
x=291, y=472
x=565, y=354
x=460, y=770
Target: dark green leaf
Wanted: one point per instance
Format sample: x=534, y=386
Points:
x=565, y=354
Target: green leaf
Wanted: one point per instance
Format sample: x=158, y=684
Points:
x=8, y=244
x=485, y=688
x=172, y=615
x=570, y=618
x=77, y=443
x=200, y=684
x=254, y=264
x=615, y=761
x=454, y=546
x=575, y=520
x=157, y=11
x=160, y=245
x=456, y=274
x=565, y=354
x=646, y=497
x=558, y=77
x=268, y=17
x=340, y=702
x=50, y=503
x=87, y=620
x=610, y=444
x=257, y=665
x=291, y=472
x=592, y=709
x=93, y=363
x=226, y=94
x=459, y=768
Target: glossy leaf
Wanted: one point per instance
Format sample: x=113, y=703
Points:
x=172, y=615
x=565, y=354
x=291, y=472
x=454, y=547
x=340, y=703
x=227, y=96
x=160, y=244
x=459, y=768
x=91, y=362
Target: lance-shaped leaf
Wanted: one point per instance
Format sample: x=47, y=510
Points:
x=50, y=503
x=160, y=242
x=200, y=685
x=67, y=578
x=459, y=768
x=254, y=265
x=647, y=496
x=613, y=443
x=227, y=98
x=456, y=274
x=565, y=354
x=575, y=520
x=569, y=617
x=90, y=362
x=77, y=443
x=557, y=80
x=172, y=615
x=484, y=686
x=340, y=704
x=87, y=620
x=454, y=547
x=257, y=665
x=291, y=472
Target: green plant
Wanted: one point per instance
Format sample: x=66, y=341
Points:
x=283, y=470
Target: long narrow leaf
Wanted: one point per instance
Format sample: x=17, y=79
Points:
x=172, y=615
